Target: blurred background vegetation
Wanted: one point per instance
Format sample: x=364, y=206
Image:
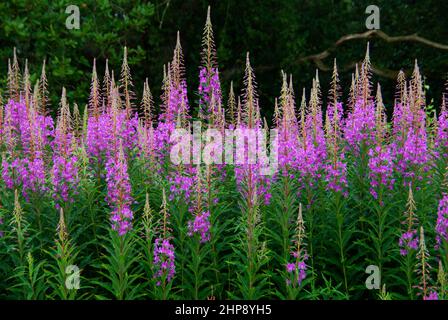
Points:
x=278, y=34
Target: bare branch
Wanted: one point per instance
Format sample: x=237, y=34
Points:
x=317, y=58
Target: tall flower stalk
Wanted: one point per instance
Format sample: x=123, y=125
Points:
x=409, y=241
x=64, y=172
x=64, y=255
x=297, y=268
x=119, y=192
x=164, y=255
x=423, y=269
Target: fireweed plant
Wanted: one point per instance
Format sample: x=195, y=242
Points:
x=94, y=190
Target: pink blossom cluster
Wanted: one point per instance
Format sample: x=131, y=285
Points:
x=26, y=135
x=164, y=257
x=408, y=241
x=381, y=169
x=200, y=225
x=297, y=269
x=119, y=192
x=442, y=220
x=359, y=126
x=209, y=89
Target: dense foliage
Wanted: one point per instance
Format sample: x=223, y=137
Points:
x=96, y=188
x=278, y=33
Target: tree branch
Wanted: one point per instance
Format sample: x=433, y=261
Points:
x=163, y=13
x=317, y=58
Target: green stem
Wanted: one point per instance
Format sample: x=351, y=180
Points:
x=196, y=266
x=409, y=273
x=310, y=234
x=340, y=225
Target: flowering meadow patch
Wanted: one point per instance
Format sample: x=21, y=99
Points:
x=97, y=188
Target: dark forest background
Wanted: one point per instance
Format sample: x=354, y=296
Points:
x=279, y=34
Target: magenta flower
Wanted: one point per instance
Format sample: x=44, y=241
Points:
x=408, y=241
x=6, y=176
x=162, y=142
x=248, y=169
x=209, y=89
x=433, y=295
x=441, y=140
x=28, y=173
x=164, y=256
x=26, y=135
x=176, y=104
x=201, y=226
x=410, y=147
x=65, y=171
x=146, y=143
x=360, y=125
x=182, y=183
x=297, y=271
x=336, y=175
x=99, y=135
x=312, y=153
x=442, y=220
x=290, y=267
x=64, y=179
x=119, y=192
x=105, y=132
x=381, y=169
